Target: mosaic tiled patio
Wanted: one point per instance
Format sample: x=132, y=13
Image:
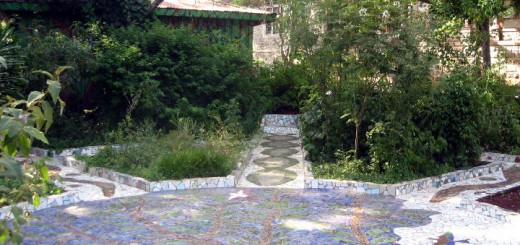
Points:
x=272, y=204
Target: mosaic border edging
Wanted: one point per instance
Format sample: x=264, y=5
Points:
x=488, y=210
x=45, y=202
x=280, y=120
x=499, y=157
x=246, y=157
x=166, y=185
x=66, y=159
x=404, y=187
x=281, y=130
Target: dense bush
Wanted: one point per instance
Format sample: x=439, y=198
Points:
x=155, y=73
x=287, y=84
x=375, y=112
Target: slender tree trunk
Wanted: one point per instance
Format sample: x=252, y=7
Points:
x=357, y=122
x=154, y=5
x=485, y=45
x=356, y=140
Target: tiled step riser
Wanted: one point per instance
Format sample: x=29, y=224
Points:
x=278, y=120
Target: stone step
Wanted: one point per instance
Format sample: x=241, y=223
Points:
x=280, y=120
x=281, y=130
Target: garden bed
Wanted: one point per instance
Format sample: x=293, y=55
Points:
x=508, y=199
x=67, y=157
x=403, y=187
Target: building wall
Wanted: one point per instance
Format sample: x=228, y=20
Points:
x=265, y=46
x=508, y=46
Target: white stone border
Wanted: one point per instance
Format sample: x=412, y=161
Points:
x=404, y=187
x=66, y=158
x=45, y=202
x=489, y=210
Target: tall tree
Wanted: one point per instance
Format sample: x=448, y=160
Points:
x=477, y=12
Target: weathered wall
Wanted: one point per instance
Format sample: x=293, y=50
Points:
x=508, y=46
x=265, y=46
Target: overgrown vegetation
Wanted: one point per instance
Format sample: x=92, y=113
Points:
x=156, y=73
x=184, y=153
x=375, y=113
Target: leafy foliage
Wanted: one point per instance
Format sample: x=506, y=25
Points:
x=375, y=114
x=155, y=73
x=11, y=81
x=117, y=13
x=22, y=121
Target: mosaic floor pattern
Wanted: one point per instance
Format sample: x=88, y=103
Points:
x=228, y=216
x=275, y=163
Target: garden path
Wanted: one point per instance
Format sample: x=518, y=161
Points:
x=276, y=163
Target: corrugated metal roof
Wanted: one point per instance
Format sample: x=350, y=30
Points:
x=208, y=5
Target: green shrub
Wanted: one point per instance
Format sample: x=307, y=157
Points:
x=192, y=163
x=184, y=153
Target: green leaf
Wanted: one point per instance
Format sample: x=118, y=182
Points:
x=36, y=134
x=54, y=89
x=61, y=69
x=40, y=118
x=46, y=73
x=33, y=97
x=62, y=106
x=48, y=112
x=16, y=211
x=36, y=200
x=12, y=126
x=11, y=168
x=44, y=170
x=3, y=62
x=25, y=144
x=10, y=146
x=17, y=238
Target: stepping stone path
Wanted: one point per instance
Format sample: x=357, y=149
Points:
x=278, y=161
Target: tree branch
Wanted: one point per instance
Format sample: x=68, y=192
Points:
x=154, y=5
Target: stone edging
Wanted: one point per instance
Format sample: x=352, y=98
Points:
x=491, y=156
x=45, y=202
x=488, y=210
x=66, y=158
x=280, y=124
x=153, y=186
x=404, y=187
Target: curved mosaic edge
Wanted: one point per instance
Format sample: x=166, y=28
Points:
x=405, y=187
x=46, y=202
x=283, y=152
x=492, y=156
x=489, y=210
x=281, y=138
